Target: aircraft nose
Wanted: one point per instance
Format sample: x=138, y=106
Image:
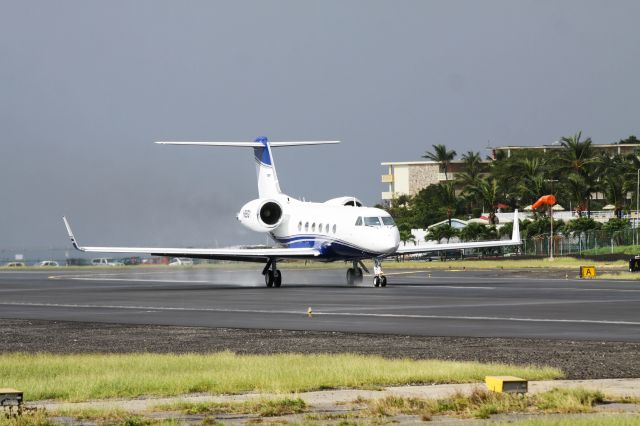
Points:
x=393, y=239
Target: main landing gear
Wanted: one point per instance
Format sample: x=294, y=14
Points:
x=272, y=275
x=354, y=274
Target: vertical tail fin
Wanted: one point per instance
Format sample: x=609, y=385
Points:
x=268, y=185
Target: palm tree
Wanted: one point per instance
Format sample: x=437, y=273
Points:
x=472, y=232
x=472, y=169
x=610, y=171
x=442, y=156
x=406, y=235
x=577, y=157
x=439, y=232
x=487, y=191
x=532, y=183
x=449, y=198
x=575, y=189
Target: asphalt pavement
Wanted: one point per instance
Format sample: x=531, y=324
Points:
x=423, y=303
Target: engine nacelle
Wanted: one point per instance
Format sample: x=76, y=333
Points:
x=261, y=215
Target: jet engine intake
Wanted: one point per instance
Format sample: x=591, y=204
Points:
x=270, y=213
x=261, y=215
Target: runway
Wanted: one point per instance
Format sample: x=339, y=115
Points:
x=435, y=303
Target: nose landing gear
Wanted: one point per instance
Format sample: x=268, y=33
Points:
x=272, y=275
x=356, y=276
x=379, y=279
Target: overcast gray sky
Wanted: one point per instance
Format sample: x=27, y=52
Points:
x=86, y=86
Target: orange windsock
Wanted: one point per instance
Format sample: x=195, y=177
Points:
x=545, y=199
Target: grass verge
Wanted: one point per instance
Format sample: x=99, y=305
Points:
x=261, y=407
x=81, y=377
x=556, y=263
x=620, y=276
x=596, y=420
x=482, y=404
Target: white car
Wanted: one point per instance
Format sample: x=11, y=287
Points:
x=181, y=261
x=15, y=264
x=103, y=261
x=49, y=263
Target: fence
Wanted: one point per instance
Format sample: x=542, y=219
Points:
x=586, y=243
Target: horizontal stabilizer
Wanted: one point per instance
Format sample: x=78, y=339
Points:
x=247, y=144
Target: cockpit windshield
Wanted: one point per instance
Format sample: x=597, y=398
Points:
x=371, y=221
x=388, y=220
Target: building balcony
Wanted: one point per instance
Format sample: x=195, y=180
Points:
x=387, y=196
x=443, y=177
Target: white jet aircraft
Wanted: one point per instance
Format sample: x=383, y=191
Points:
x=340, y=229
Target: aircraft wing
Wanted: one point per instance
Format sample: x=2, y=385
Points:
x=238, y=254
x=454, y=246
x=514, y=241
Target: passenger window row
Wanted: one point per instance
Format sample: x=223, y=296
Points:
x=321, y=229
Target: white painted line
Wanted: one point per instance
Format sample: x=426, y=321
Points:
x=304, y=313
x=144, y=280
x=427, y=286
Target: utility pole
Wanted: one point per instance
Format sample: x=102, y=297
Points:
x=551, y=238
x=635, y=221
x=552, y=181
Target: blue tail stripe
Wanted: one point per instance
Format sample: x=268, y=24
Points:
x=262, y=154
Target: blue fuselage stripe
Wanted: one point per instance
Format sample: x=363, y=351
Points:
x=330, y=248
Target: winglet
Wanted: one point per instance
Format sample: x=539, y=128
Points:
x=70, y=233
x=515, y=236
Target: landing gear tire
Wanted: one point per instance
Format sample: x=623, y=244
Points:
x=380, y=281
x=269, y=279
x=359, y=276
x=277, y=278
x=354, y=276
x=351, y=278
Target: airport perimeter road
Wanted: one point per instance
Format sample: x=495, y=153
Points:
x=449, y=303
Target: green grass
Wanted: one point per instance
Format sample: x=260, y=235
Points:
x=483, y=404
x=568, y=400
x=106, y=416
x=606, y=249
x=82, y=377
x=595, y=420
x=261, y=407
x=620, y=276
x=556, y=263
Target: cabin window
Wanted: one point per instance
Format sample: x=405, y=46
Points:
x=313, y=227
x=299, y=226
x=334, y=229
x=371, y=221
x=306, y=227
x=388, y=220
x=359, y=221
